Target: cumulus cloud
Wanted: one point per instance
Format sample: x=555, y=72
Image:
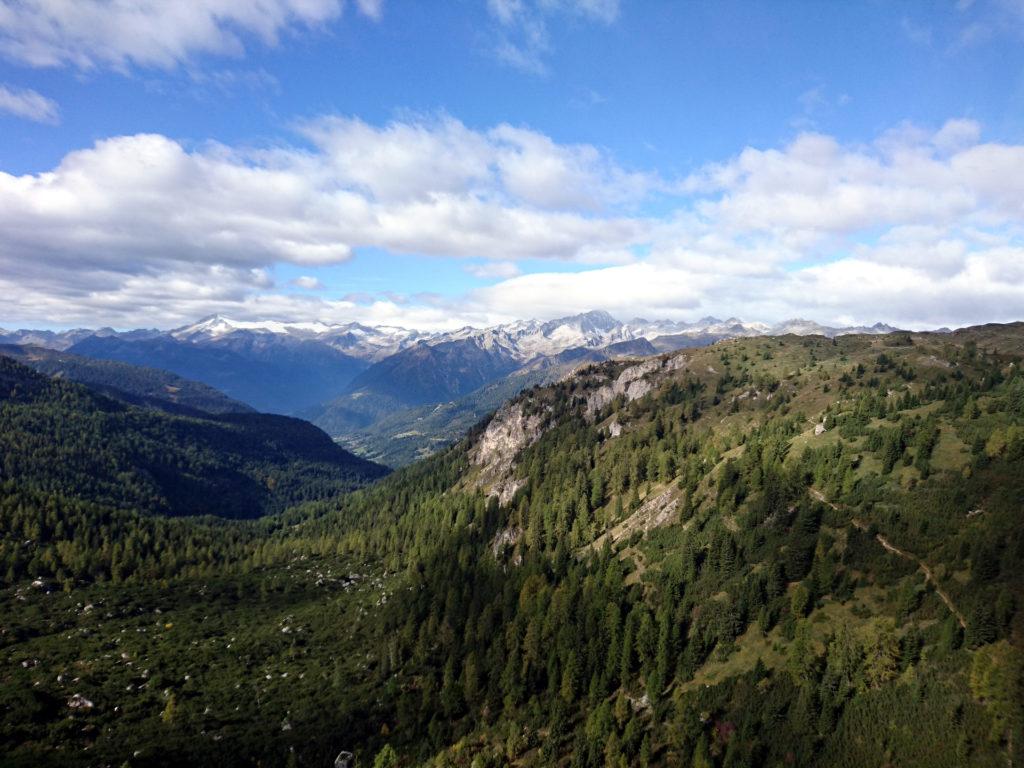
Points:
x=815, y=187
x=151, y=33
x=26, y=103
x=985, y=286
x=308, y=283
x=149, y=201
x=917, y=228
x=407, y=161
x=129, y=209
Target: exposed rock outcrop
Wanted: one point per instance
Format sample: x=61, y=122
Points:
x=506, y=537
x=655, y=512
x=509, y=432
x=632, y=383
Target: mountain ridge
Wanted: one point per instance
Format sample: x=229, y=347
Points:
x=373, y=341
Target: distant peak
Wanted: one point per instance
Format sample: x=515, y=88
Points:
x=211, y=321
x=598, y=318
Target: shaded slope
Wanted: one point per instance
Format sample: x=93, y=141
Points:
x=135, y=384
x=60, y=437
x=270, y=373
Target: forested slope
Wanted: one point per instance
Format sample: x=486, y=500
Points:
x=757, y=553
x=62, y=439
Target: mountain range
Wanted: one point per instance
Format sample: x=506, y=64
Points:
x=368, y=386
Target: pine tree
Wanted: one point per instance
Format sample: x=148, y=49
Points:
x=386, y=757
x=170, y=714
x=981, y=627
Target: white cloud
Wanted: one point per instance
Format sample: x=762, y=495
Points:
x=816, y=188
x=522, y=38
x=975, y=287
x=147, y=200
x=420, y=159
x=917, y=228
x=371, y=8
x=26, y=103
x=103, y=226
x=308, y=283
x=151, y=33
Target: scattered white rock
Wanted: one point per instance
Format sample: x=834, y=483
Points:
x=78, y=701
x=632, y=383
x=507, y=537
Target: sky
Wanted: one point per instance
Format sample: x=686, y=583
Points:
x=438, y=163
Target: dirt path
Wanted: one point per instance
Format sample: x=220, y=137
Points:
x=929, y=576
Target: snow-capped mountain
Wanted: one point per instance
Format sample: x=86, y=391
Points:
x=528, y=339
x=521, y=340
x=365, y=342
x=64, y=340
x=800, y=327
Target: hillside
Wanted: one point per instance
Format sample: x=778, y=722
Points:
x=62, y=439
x=135, y=384
x=769, y=551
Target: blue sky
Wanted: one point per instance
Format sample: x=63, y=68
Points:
x=435, y=163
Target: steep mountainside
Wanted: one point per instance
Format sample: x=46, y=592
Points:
x=399, y=436
x=421, y=375
x=60, y=438
x=135, y=384
x=390, y=431
x=771, y=551
x=433, y=373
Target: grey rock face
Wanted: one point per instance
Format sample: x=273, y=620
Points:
x=509, y=432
